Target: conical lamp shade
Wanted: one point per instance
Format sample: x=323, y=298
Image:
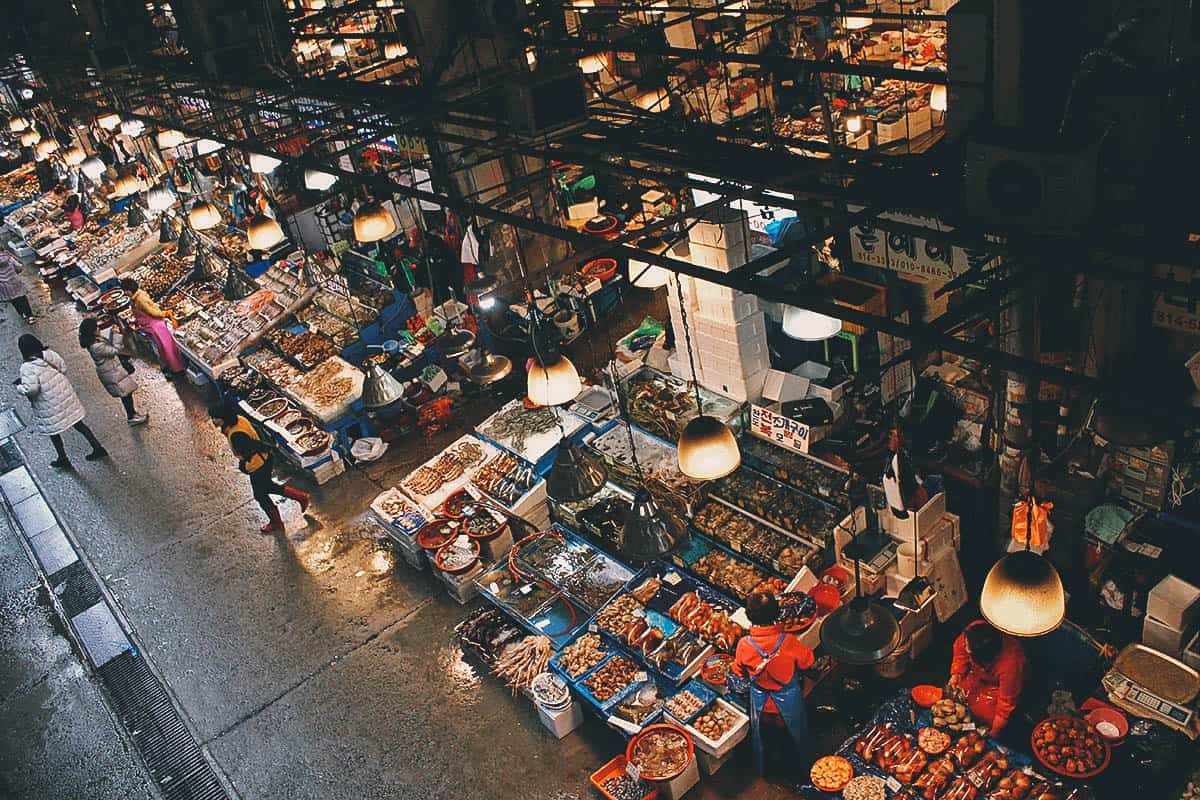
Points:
x=860, y=632
x=262, y=164
x=109, y=122
x=30, y=138
x=455, y=342
x=490, y=369
x=18, y=124
x=160, y=198
x=1023, y=595
x=136, y=216
x=93, y=167
x=127, y=185
x=809, y=326
x=648, y=276
x=380, y=388
x=317, y=181
x=204, y=215
x=74, y=156
x=708, y=449
x=576, y=473
x=186, y=242
x=648, y=534
x=169, y=138
x=166, y=231
x=373, y=223
x=46, y=147
x=263, y=233
x=553, y=384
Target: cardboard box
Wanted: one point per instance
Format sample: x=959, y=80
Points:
x=1163, y=637
x=860, y=295
x=1174, y=602
x=1191, y=653
x=585, y=210
x=921, y=522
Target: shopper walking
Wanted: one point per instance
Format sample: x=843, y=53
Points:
x=256, y=458
x=12, y=285
x=772, y=661
x=114, y=370
x=56, y=407
x=153, y=321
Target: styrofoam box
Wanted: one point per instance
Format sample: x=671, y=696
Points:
x=747, y=329
x=744, y=391
x=729, y=313
x=721, y=230
x=561, y=723
x=1162, y=637
x=718, y=355
x=681, y=367
x=918, y=522
x=720, y=259
x=935, y=538
x=680, y=785
x=732, y=738
x=1174, y=602
x=585, y=210
x=920, y=121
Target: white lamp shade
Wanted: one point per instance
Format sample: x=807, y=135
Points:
x=809, y=326
x=47, y=146
x=648, y=276
x=18, y=124
x=93, y=167
x=263, y=164
x=592, y=64
x=133, y=127
x=854, y=122
x=317, y=181
x=127, y=185
x=385, y=3
x=1023, y=595
x=160, y=198
x=395, y=50
x=373, y=223
x=74, y=156
x=338, y=48
x=316, y=5
x=555, y=384
x=206, y=147
x=708, y=450
x=263, y=233
x=109, y=122
x=653, y=100
x=937, y=98
x=169, y=138
x=30, y=137
x=856, y=23
x=204, y=215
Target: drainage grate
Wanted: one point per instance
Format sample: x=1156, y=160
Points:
x=170, y=752
x=10, y=457
x=76, y=589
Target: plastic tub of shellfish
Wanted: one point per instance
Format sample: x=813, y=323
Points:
x=698, y=690
x=618, y=768
x=730, y=739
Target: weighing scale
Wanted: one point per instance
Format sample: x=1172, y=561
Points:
x=1127, y=691
x=595, y=405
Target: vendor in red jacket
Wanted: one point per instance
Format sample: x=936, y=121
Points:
x=772, y=661
x=988, y=667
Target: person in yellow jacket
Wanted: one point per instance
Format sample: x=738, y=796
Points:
x=256, y=459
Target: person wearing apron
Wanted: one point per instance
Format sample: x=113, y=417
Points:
x=988, y=667
x=772, y=661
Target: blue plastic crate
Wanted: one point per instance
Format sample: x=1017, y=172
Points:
x=575, y=636
x=702, y=693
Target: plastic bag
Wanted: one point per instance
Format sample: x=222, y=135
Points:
x=1030, y=514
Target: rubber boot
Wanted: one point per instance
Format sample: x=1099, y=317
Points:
x=299, y=496
x=276, y=523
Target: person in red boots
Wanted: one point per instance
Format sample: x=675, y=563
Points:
x=256, y=458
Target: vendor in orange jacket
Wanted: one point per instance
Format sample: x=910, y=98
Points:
x=988, y=667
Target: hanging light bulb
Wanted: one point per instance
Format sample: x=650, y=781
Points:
x=707, y=449
x=338, y=48
x=317, y=181
x=30, y=138
x=648, y=534
x=809, y=326
x=583, y=6
x=395, y=50
x=204, y=215
x=592, y=64
x=206, y=147
x=133, y=128
x=74, y=156
x=160, y=198
x=169, y=138
x=531, y=57
x=316, y=5
x=262, y=164
x=109, y=122
x=854, y=120
x=373, y=223
x=18, y=124
x=93, y=167
x=576, y=473
x=1023, y=595
x=46, y=147
x=734, y=9
x=263, y=233
x=385, y=3
x=937, y=98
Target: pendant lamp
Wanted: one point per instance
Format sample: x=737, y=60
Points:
x=373, y=223
x=186, y=244
x=236, y=286
x=853, y=120
x=133, y=128
x=92, y=167
x=262, y=164
x=166, y=230
x=136, y=215
x=204, y=215
x=455, y=342
x=168, y=138
x=553, y=380
x=648, y=276
x=263, y=233
x=30, y=138
x=46, y=147
x=938, y=99
x=592, y=64
x=707, y=449
x=338, y=48
x=395, y=50
x=160, y=198
x=809, y=326
x=648, y=533
x=18, y=124
x=317, y=181
x=74, y=156
x=127, y=185
x=206, y=147
x=856, y=23
x=380, y=388
x=1023, y=594
x=482, y=287
x=490, y=369
x=109, y=122
x=577, y=473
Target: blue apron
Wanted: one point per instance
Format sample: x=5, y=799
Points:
x=789, y=700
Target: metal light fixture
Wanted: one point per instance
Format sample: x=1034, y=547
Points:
x=18, y=124
x=482, y=287
x=455, y=342
x=160, y=198
x=380, y=388
x=47, y=147
x=1023, y=595
x=133, y=127
x=317, y=181
x=553, y=381
x=206, y=147
x=93, y=167
x=338, y=48
x=109, y=122
x=236, y=286
x=204, y=215
x=938, y=98
x=489, y=368
x=263, y=233
x=30, y=138
x=166, y=230
x=373, y=223
x=395, y=50
x=576, y=473
x=136, y=215
x=648, y=533
x=169, y=138
x=592, y=64
x=186, y=244
x=74, y=156
x=809, y=326
x=648, y=276
x=262, y=164
x=127, y=185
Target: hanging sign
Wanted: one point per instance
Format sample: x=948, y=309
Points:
x=1178, y=312
x=783, y=430
x=930, y=256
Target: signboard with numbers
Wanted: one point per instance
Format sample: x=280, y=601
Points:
x=783, y=431
x=928, y=256
x=1178, y=312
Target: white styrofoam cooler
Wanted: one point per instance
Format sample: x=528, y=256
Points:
x=723, y=259
x=744, y=390
x=1174, y=602
x=721, y=229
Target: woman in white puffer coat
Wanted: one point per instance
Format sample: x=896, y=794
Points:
x=56, y=407
x=114, y=371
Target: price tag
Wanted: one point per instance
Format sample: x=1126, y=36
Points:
x=493, y=588
x=592, y=627
x=968, y=726
x=526, y=589
x=542, y=624
x=672, y=578
x=463, y=540
x=1151, y=551
x=632, y=771
x=893, y=784
x=641, y=676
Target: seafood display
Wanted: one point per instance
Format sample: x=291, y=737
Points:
x=398, y=511
x=307, y=349
x=706, y=621
x=458, y=555
x=716, y=722
x=637, y=709
x=1069, y=746
x=555, y=559
x=933, y=741
x=659, y=467
x=428, y=479
x=950, y=714
x=618, y=615
x=608, y=680
x=796, y=469
x=342, y=334
x=738, y=578
x=488, y=632
x=831, y=773
x=750, y=537
x=523, y=661
x=523, y=598
x=330, y=383
x=788, y=509
x=605, y=516
x=679, y=649
x=529, y=432
x=623, y=787
x=660, y=753
x=581, y=655
x=596, y=583
x=505, y=478
x=550, y=690
x=685, y=704
x=346, y=307
x=159, y=274
x=101, y=248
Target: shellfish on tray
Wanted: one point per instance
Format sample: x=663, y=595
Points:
x=274, y=407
